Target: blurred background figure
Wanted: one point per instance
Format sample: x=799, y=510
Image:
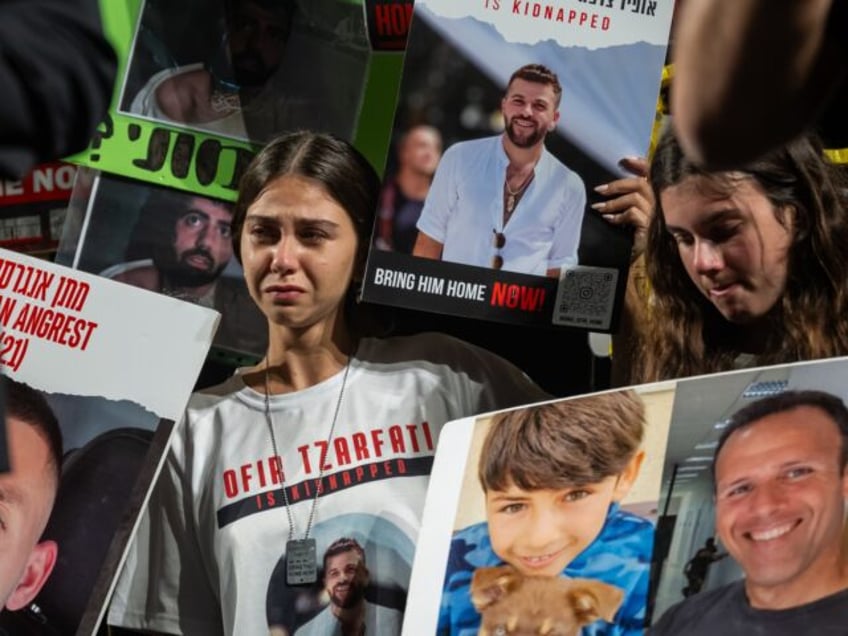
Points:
x=752, y=74
x=698, y=566
x=402, y=197
x=56, y=87
x=740, y=268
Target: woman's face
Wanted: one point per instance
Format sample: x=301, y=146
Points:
x=298, y=249
x=731, y=245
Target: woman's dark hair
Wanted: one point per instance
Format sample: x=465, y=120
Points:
x=686, y=334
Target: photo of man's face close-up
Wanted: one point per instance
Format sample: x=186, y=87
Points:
x=780, y=491
x=345, y=579
x=27, y=494
x=201, y=245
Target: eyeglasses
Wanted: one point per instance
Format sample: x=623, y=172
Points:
x=499, y=242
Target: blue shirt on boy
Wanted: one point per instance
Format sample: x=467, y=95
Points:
x=620, y=555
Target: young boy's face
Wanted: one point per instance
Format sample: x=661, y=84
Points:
x=539, y=532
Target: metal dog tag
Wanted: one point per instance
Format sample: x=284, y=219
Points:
x=301, y=562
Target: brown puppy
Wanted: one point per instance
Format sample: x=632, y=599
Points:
x=513, y=604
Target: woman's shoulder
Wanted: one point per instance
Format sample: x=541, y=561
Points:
x=494, y=382
x=427, y=348
x=216, y=397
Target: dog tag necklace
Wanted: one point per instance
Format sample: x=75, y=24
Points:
x=301, y=554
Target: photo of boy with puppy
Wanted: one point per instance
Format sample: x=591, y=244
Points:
x=554, y=477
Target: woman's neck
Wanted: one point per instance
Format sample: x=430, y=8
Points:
x=749, y=339
x=298, y=359
x=753, y=337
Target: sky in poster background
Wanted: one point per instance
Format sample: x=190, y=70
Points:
x=610, y=72
x=630, y=21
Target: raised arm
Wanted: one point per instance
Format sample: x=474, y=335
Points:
x=427, y=247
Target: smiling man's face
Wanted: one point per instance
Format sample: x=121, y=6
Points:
x=530, y=112
x=780, y=494
x=345, y=579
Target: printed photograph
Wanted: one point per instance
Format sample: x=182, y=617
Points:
x=79, y=458
x=558, y=501
x=33, y=209
x=166, y=241
x=89, y=407
x=248, y=69
x=363, y=566
x=751, y=532
x=504, y=139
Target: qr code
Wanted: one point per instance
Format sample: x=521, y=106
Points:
x=585, y=297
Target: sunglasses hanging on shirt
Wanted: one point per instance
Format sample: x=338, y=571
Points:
x=499, y=242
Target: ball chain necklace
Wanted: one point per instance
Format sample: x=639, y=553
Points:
x=301, y=554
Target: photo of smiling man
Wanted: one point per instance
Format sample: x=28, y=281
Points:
x=505, y=202
x=780, y=485
x=346, y=578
